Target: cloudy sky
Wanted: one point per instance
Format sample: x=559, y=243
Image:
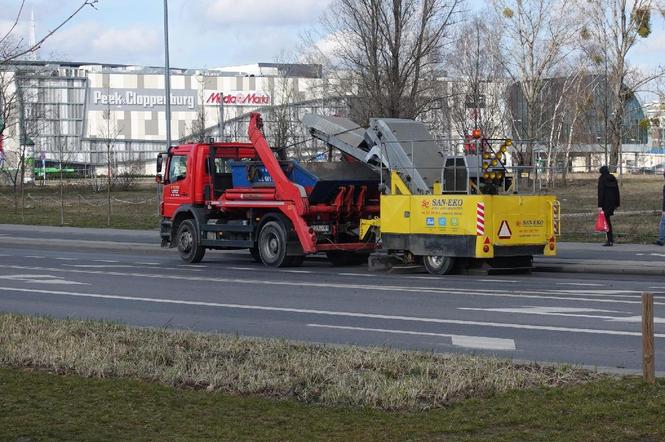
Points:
x=203, y=33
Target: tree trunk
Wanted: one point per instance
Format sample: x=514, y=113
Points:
x=62, y=197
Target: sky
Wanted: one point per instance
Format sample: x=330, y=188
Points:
x=203, y=33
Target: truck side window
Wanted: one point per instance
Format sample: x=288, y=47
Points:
x=177, y=168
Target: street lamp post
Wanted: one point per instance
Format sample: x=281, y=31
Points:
x=167, y=75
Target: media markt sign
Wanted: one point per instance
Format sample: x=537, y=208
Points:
x=239, y=98
x=139, y=99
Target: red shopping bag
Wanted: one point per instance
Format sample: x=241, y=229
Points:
x=601, y=223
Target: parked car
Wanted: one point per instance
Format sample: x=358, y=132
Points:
x=647, y=170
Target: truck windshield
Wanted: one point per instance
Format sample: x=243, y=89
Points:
x=177, y=168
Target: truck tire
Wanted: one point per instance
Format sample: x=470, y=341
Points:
x=439, y=265
x=188, y=243
x=272, y=245
x=341, y=259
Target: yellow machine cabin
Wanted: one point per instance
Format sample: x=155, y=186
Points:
x=439, y=227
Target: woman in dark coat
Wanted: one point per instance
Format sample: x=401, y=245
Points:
x=608, y=199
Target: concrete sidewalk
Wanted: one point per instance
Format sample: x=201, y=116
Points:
x=628, y=259
x=573, y=257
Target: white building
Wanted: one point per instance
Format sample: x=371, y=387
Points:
x=78, y=113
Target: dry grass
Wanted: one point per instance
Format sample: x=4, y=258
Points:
x=132, y=209
x=378, y=378
x=641, y=193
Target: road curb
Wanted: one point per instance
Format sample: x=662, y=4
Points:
x=82, y=244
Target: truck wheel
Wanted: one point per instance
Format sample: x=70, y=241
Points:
x=340, y=259
x=189, y=244
x=272, y=245
x=439, y=265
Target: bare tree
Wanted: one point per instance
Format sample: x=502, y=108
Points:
x=12, y=162
x=614, y=29
x=282, y=120
x=479, y=100
x=536, y=36
x=388, y=53
x=566, y=97
x=199, y=124
x=13, y=46
x=109, y=132
x=16, y=98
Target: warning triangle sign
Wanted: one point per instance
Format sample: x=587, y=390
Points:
x=504, y=230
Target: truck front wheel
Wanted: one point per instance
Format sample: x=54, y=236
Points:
x=439, y=265
x=189, y=244
x=272, y=245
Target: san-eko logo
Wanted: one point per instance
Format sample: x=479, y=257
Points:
x=240, y=98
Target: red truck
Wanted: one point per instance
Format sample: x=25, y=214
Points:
x=240, y=196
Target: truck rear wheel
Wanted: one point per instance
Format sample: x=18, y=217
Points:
x=439, y=265
x=189, y=244
x=272, y=245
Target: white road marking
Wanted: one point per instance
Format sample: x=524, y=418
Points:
x=657, y=254
x=478, y=342
x=193, y=265
x=242, y=268
x=296, y=271
x=146, y=263
x=101, y=266
x=656, y=320
x=67, y=259
x=35, y=257
x=568, y=311
x=125, y=266
x=355, y=274
x=598, y=292
x=581, y=284
x=550, y=311
x=524, y=294
x=104, y=260
x=330, y=312
x=3, y=254
x=41, y=279
x=507, y=281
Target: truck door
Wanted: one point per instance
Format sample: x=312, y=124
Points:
x=177, y=187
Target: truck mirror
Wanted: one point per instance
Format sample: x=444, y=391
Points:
x=160, y=161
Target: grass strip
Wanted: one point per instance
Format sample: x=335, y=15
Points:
x=42, y=406
x=334, y=376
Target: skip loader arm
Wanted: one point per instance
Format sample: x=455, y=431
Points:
x=296, y=203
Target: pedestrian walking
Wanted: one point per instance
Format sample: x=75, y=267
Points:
x=608, y=199
x=661, y=228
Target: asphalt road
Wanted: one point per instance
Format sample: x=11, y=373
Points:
x=585, y=319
